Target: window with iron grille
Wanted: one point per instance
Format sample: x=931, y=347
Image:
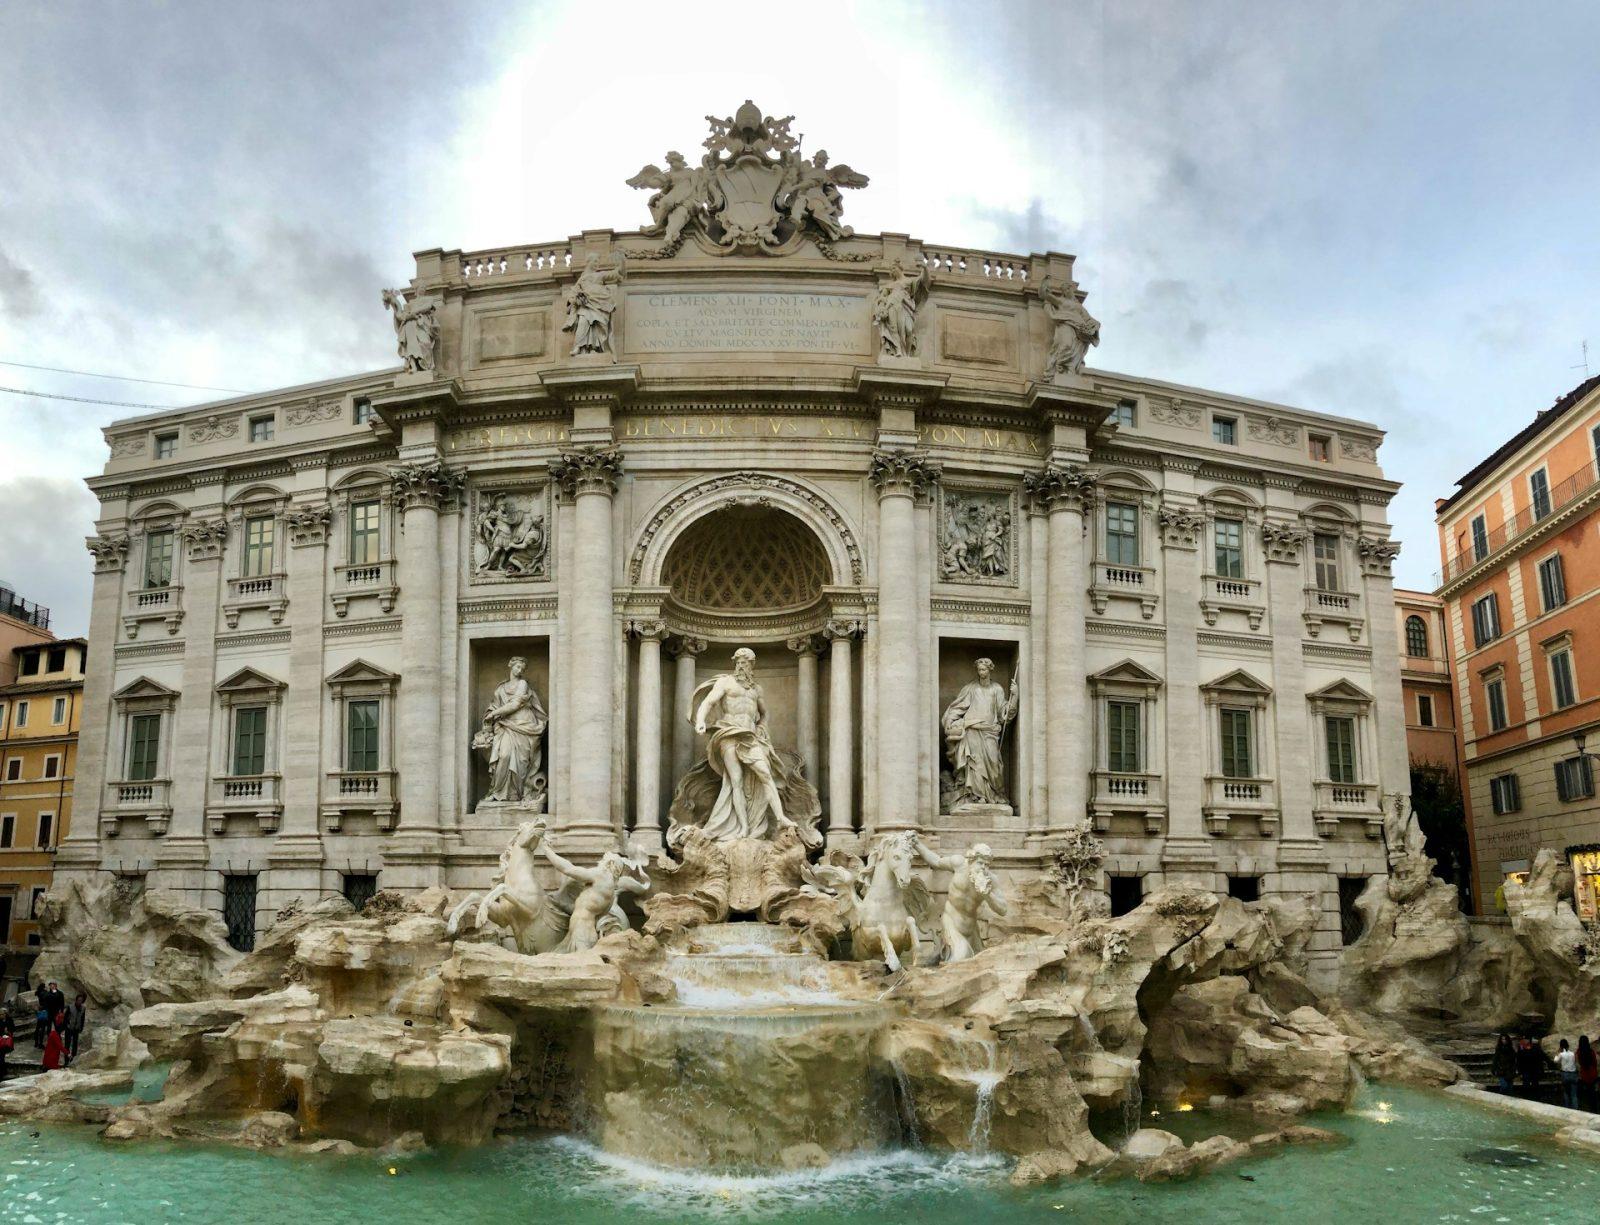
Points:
x=1416, y=637
x=1563, y=687
x=250, y=740
x=1504, y=794
x=1494, y=694
x=364, y=533
x=1351, y=924
x=1228, y=535
x=258, y=531
x=158, y=558
x=1122, y=534
x=239, y=910
x=1574, y=780
x=359, y=888
x=1340, y=732
x=1325, y=551
x=1539, y=492
x=363, y=735
x=1236, y=746
x=1126, y=893
x=1480, y=538
x=1122, y=737
x=1485, y=619
x=144, y=740
x=1552, y=582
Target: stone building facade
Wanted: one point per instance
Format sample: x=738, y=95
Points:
x=1425, y=681
x=619, y=457
x=1521, y=574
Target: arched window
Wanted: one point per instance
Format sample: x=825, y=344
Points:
x=1416, y=637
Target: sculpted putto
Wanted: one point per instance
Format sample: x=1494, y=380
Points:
x=510, y=734
x=591, y=301
x=746, y=788
x=811, y=191
x=972, y=888
x=679, y=199
x=1075, y=328
x=973, y=725
x=416, y=328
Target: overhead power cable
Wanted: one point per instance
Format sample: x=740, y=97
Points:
x=121, y=378
x=51, y=395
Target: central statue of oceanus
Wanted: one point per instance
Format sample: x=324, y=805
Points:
x=746, y=787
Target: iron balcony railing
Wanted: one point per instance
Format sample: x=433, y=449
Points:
x=1519, y=525
x=13, y=605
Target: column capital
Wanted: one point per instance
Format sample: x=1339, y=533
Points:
x=110, y=551
x=647, y=630
x=803, y=644
x=1180, y=525
x=429, y=484
x=587, y=470
x=1060, y=487
x=902, y=472
x=205, y=538
x=1283, y=540
x=845, y=628
x=1377, y=556
x=687, y=646
x=308, y=525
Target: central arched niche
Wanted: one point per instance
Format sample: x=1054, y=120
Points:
x=746, y=560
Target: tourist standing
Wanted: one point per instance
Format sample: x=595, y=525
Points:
x=41, y=1015
x=1567, y=1062
x=1530, y=1066
x=1505, y=1062
x=1588, y=1072
x=77, y=1018
x=8, y=1038
x=55, y=1049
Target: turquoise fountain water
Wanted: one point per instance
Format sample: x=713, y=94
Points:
x=1406, y=1163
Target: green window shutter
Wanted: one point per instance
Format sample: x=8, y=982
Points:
x=250, y=741
x=144, y=742
x=1341, y=738
x=363, y=736
x=1122, y=737
x=1236, y=761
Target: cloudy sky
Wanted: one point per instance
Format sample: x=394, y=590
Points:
x=1377, y=209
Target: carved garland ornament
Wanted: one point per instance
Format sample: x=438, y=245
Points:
x=1170, y=412
x=587, y=470
x=310, y=412
x=1273, y=430
x=126, y=445
x=430, y=484
x=110, y=552
x=213, y=429
x=1363, y=449
x=745, y=480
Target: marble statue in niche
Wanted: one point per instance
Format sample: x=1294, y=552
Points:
x=1075, y=329
x=895, y=310
x=974, y=727
x=591, y=301
x=511, y=736
x=416, y=328
x=977, y=537
x=746, y=787
x=511, y=536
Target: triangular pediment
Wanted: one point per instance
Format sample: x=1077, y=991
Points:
x=248, y=680
x=1341, y=691
x=1239, y=681
x=1128, y=672
x=358, y=670
x=144, y=687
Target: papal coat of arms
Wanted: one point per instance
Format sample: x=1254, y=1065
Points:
x=751, y=191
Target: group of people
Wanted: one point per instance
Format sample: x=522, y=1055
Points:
x=1524, y=1060
x=57, y=1026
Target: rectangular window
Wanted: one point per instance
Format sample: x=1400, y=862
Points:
x=250, y=740
x=29, y=665
x=364, y=533
x=52, y=766
x=57, y=661
x=1122, y=737
x=47, y=824
x=1340, y=732
x=258, y=532
x=1504, y=795
x=1563, y=685
x=22, y=714
x=1126, y=893
x=1552, y=582
x=1485, y=620
x=1539, y=493
x=1574, y=781
x=13, y=769
x=1425, y=709
x=1245, y=888
x=262, y=429
x=5, y=919
x=1236, y=745
x=1321, y=448
x=144, y=743
x=359, y=888
x=158, y=548
x=363, y=410
x=1480, y=538
x=166, y=446
x=1122, y=534
x=239, y=910
x=363, y=737
x=8, y=829
x=1224, y=430
x=1122, y=415
x=1325, y=550
x=58, y=711
x=1229, y=538
x=1351, y=924
x=1494, y=693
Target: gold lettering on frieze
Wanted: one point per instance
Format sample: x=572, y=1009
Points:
x=494, y=438
x=742, y=426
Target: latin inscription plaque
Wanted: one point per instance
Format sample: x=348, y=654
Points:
x=737, y=322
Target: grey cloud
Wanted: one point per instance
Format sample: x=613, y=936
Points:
x=20, y=296
x=1024, y=231
x=41, y=551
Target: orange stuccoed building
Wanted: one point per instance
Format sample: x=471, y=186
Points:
x=1520, y=591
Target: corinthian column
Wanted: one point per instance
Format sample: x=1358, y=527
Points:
x=688, y=650
x=841, y=728
x=899, y=475
x=806, y=702
x=1066, y=491
x=647, y=734
x=588, y=476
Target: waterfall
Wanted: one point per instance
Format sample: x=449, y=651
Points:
x=907, y=1104
x=983, y=1105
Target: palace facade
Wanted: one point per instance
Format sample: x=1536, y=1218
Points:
x=619, y=457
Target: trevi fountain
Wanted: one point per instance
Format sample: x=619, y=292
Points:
x=828, y=922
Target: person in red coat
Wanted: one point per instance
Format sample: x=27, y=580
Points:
x=55, y=1050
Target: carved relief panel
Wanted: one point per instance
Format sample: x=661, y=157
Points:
x=977, y=536
x=510, y=533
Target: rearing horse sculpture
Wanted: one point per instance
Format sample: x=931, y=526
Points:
x=882, y=918
x=517, y=901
